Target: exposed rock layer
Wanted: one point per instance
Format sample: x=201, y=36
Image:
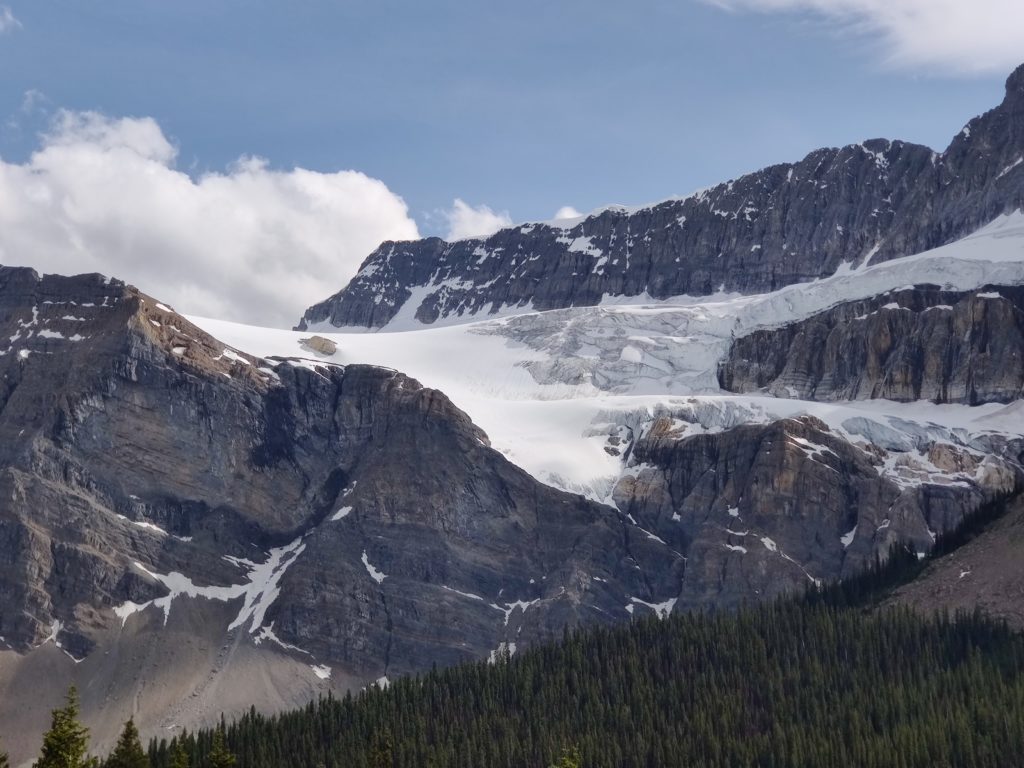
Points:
x=919, y=344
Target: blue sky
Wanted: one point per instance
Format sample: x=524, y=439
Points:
x=523, y=107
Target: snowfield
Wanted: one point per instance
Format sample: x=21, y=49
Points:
x=550, y=388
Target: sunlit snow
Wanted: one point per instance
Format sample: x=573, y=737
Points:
x=550, y=388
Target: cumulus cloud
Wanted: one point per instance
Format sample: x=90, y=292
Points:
x=251, y=244
x=7, y=21
x=465, y=221
x=960, y=36
x=567, y=212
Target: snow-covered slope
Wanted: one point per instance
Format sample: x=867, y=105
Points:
x=554, y=389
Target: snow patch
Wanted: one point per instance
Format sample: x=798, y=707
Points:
x=258, y=593
x=470, y=595
x=321, y=671
x=502, y=651
x=661, y=610
x=376, y=575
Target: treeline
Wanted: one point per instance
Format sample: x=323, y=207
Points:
x=66, y=745
x=815, y=681
x=791, y=684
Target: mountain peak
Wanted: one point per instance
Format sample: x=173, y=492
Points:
x=778, y=226
x=1015, y=85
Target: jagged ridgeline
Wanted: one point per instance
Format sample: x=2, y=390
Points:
x=789, y=223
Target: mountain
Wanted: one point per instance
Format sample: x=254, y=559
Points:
x=791, y=223
x=200, y=516
x=180, y=514
x=347, y=518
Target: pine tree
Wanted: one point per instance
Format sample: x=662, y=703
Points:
x=4, y=761
x=66, y=743
x=382, y=756
x=179, y=757
x=128, y=753
x=570, y=759
x=219, y=756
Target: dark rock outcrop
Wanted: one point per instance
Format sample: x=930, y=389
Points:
x=785, y=224
x=913, y=344
x=761, y=510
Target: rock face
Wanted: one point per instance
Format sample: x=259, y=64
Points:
x=320, y=344
x=760, y=510
x=136, y=446
x=920, y=344
x=785, y=224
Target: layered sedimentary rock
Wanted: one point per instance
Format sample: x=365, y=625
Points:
x=135, y=446
x=913, y=344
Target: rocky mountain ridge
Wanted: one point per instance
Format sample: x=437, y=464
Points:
x=786, y=224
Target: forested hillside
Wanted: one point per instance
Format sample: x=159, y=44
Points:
x=793, y=684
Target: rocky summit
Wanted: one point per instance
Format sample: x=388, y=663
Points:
x=790, y=223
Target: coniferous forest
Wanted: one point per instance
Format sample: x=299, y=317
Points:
x=792, y=684
x=827, y=679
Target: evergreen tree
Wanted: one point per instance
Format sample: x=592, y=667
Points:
x=128, y=753
x=66, y=743
x=383, y=756
x=219, y=756
x=179, y=757
x=570, y=759
x=4, y=761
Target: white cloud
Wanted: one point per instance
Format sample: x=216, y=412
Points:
x=960, y=36
x=251, y=244
x=465, y=221
x=7, y=21
x=567, y=212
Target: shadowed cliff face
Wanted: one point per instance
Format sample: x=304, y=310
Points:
x=920, y=344
x=785, y=224
x=137, y=446
x=761, y=510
